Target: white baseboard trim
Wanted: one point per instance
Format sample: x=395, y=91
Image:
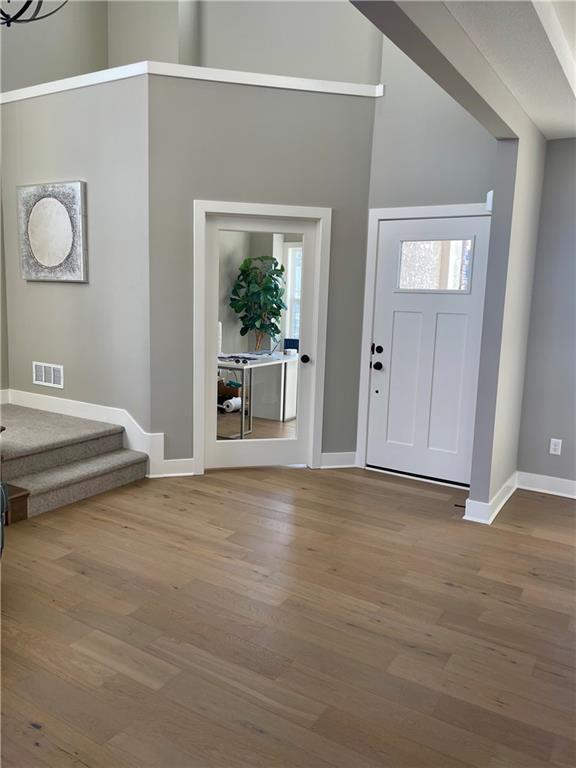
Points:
x=486, y=511
x=136, y=438
x=172, y=468
x=337, y=460
x=556, y=486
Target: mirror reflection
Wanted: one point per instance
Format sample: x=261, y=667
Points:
x=260, y=286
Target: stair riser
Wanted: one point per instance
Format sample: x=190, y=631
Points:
x=56, y=457
x=60, y=497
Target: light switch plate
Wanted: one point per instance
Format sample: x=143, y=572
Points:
x=555, y=446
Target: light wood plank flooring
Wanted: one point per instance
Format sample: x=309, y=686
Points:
x=229, y=424
x=286, y=618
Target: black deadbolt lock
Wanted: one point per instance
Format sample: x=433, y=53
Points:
x=305, y=359
x=379, y=349
x=377, y=366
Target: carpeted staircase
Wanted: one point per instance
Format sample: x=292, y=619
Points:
x=61, y=459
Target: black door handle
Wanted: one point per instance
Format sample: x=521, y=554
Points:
x=305, y=359
x=377, y=366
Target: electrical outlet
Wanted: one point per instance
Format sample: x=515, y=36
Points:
x=555, y=446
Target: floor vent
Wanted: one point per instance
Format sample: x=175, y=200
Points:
x=48, y=375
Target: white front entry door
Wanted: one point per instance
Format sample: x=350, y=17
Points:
x=428, y=307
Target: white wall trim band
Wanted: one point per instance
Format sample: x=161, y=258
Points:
x=136, y=438
x=183, y=71
x=337, y=460
x=485, y=512
x=556, y=486
x=72, y=83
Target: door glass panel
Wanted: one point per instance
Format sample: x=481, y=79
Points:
x=435, y=265
x=259, y=294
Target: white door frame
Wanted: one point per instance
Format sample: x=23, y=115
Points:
x=376, y=215
x=322, y=218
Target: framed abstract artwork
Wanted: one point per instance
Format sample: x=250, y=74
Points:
x=52, y=232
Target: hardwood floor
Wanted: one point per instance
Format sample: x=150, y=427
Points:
x=229, y=424
x=286, y=618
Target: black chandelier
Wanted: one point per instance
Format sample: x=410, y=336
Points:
x=25, y=12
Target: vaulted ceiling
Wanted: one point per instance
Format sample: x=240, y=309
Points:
x=531, y=47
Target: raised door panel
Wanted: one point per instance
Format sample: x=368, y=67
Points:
x=404, y=371
x=449, y=362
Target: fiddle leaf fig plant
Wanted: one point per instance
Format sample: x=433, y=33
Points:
x=258, y=297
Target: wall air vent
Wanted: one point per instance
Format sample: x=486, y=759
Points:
x=48, y=375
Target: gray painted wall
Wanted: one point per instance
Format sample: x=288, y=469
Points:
x=495, y=298
x=4, y=376
x=72, y=42
x=285, y=147
x=427, y=149
x=143, y=31
x=549, y=406
x=189, y=32
x=99, y=331
x=233, y=248
x=222, y=142
x=516, y=314
x=330, y=41
x=326, y=40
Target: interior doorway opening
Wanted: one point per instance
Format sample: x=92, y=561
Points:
x=260, y=300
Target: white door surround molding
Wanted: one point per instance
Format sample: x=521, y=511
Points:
x=136, y=438
x=321, y=219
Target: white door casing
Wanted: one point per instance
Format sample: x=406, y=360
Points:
x=314, y=224
x=420, y=404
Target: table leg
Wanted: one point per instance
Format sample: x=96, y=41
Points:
x=243, y=406
x=250, y=374
x=283, y=410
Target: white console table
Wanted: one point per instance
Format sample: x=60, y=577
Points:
x=245, y=366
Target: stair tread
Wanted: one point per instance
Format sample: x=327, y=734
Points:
x=76, y=472
x=30, y=431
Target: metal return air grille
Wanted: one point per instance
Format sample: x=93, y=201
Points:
x=48, y=375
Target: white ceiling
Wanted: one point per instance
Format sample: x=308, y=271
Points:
x=566, y=13
x=512, y=39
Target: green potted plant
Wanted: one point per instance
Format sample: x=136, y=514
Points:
x=257, y=296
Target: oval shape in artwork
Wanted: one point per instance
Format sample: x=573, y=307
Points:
x=50, y=232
